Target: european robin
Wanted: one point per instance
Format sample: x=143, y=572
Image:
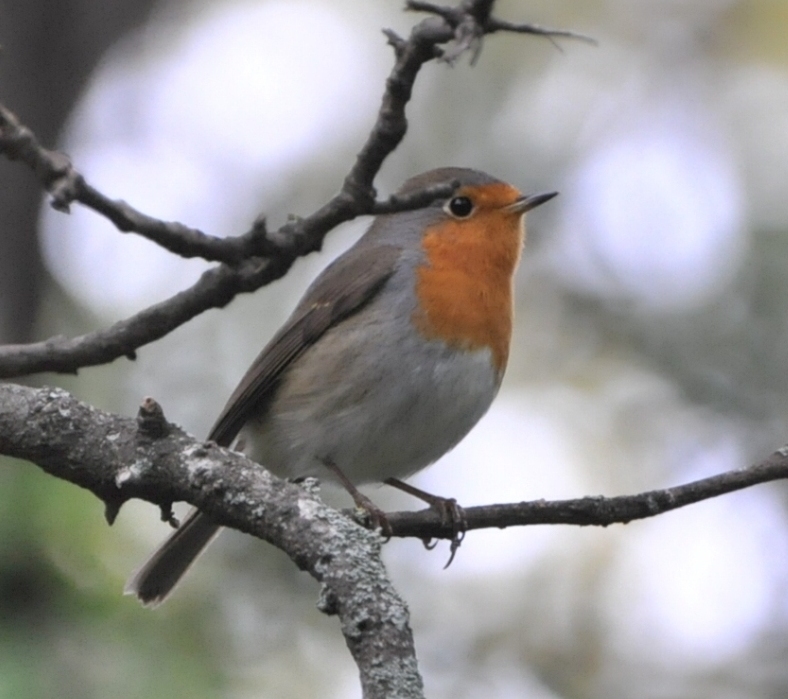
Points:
x=395, y=352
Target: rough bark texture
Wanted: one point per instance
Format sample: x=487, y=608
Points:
x=118, y=458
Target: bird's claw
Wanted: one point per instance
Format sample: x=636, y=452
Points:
x=375, y=518
x=452, y=515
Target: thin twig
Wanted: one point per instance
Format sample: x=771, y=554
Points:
x=473, y=19
x=66, y=185
x=597, y=510
x=499, y=25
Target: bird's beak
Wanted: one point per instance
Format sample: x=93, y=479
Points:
x=529, y=202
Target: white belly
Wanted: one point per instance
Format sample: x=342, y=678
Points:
x=372, y=409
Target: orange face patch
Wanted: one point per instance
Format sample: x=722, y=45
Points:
x=465, y=286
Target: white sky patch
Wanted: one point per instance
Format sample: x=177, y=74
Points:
x=704, y=581
x=200, y=129
x=653, y=214
x=516, y=452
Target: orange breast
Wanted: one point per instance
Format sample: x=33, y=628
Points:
x=465, y=286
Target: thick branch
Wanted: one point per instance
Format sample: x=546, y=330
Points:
x=96, y=470
x=119, y=458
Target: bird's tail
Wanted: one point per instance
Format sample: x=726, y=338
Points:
x=158, y=576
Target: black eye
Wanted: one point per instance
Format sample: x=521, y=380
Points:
x=461, y=207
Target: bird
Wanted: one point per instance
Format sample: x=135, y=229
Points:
x=393, y=354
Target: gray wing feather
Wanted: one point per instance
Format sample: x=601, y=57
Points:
x=343, y=288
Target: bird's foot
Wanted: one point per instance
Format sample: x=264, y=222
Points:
x=375, y=517
x=451, y=513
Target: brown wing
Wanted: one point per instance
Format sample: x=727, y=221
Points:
x=343, y=288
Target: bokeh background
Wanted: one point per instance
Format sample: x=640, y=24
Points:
x=651, y=344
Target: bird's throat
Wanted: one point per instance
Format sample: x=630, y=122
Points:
x=464, y=287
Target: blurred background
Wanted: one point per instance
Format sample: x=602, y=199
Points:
x=651, y=343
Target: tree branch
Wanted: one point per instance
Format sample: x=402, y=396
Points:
x=472, y=20
x=65, y=185
x=215, y=289
x=594, y=510
x=119, y=458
